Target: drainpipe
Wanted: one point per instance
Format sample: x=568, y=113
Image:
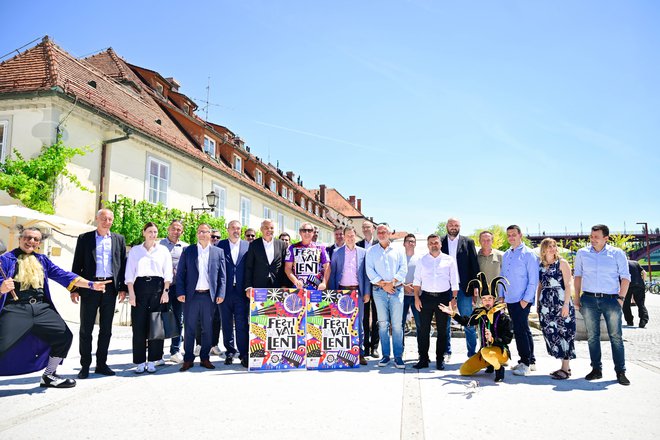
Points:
x=104, y=152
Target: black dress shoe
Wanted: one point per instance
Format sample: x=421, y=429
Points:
x=622, y=379
x=186, y=366
x=55, y=381
x=229, y=360
x=630, y=323
x=499, y=375
x=490, y=369
x=104, y=370
x=595, y=374
x=642, y=324
x=363, y=361
x=374, y=353
x=421, y=364
x=83, y=373
x=244, y=362
x=207, y=364
x=440, y=364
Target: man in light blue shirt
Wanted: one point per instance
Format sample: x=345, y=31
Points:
x=521, y=267
x=386, y=269
x=603, y=277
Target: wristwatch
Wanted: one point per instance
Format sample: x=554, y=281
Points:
x=90, y=284
x=622, y=298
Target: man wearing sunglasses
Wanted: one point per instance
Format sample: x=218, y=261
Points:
x=307, y=264
x=250, y=235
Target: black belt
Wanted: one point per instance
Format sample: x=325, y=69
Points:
x=599, y=295
x=102, y=279
x=436, y=293
x=349, y=287
x=202, y=291
x=30, y=300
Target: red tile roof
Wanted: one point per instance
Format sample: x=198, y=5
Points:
x=335, y=200
x=118, y=92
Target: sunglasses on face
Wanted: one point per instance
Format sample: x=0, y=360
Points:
x=307, y=230
x=249, y=235
x=217, y=237
x=35, y=239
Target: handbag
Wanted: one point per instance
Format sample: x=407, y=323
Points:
x=163, y=324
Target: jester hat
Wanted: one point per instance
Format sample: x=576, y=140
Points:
x=481, y=284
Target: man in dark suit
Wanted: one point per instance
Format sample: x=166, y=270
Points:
x=465, y=253
x=235, y=308
x=339, y=241
x=264, y=261
x=99, y=256
x=348, y=272
x=370, y=318
x=200, y=291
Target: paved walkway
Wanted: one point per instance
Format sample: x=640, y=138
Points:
x=369, y=402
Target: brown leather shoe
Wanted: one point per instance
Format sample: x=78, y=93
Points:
x=207, y=364
x=186, y=366
x=363, y=361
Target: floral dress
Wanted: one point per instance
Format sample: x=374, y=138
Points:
x=559, y=332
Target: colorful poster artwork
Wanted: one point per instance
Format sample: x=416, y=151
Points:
x=332, y=329
x=277, y=329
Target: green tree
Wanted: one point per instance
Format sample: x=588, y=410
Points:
x=499, y=237
x=441, y=229
x=33, y=181
x=131, y=216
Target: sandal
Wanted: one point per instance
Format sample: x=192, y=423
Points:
x=560, y=374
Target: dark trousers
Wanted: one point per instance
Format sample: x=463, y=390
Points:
x=370, y=325
x=235, y=309
x=429, y=309
x=148, y=291
x=40, y=319
x=197, y=311
x=522, y=333
x=216, y=325
x=92, y=302
x=636, y=292
x=177, y=309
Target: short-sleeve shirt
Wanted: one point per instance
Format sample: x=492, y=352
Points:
x=308, y=262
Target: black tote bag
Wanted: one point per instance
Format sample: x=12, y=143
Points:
x=163, y=324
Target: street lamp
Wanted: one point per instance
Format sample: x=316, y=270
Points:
x=648, y=248
x=211, y=199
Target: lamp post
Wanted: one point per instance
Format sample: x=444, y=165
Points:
x=211, y=199
x=648, y=248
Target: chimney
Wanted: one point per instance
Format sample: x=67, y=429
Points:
x=174, y=83
x=289, y=175
x=322, y=194
x=351, y=200
x=359, y=205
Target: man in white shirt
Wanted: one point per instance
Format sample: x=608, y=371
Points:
x=435, y=282
x=201, y=282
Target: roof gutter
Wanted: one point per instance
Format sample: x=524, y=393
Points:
x=104, y=162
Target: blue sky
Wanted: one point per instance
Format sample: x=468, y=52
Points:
x=540, y=113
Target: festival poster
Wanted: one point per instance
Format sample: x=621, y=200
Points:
x=332, y=329
x=277, y=329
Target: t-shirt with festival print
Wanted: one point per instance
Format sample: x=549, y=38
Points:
x=308, y=263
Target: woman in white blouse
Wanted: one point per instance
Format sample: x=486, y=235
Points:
x=148, y=277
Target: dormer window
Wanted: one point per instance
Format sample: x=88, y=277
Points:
x=259, y=177
x=291, y=195
x=316, y=210
x=238, y=163
x=273, y=185
x=186, y=109
x=209, y=146
x=284, y=191
x=160, y=89
x=302, y=202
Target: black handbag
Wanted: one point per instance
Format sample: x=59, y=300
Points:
x=163, y=324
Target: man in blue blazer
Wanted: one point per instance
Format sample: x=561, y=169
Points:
x=348, y=272
x=200, y=291
x=236, y=307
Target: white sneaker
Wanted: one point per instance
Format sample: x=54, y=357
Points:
x=447, y=358
x=176, y=358
x=522, y=370
x=215, y=350
x=140, y=368
x=160, y=362
x=532, y=367
x=151, y=367
x=197, y=350
x=518, y=365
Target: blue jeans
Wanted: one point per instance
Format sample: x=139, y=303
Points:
x=521, y=331
x=464, y=304
x=177, y=308
x=409, y=303
x=609, y=307
x=389, y=309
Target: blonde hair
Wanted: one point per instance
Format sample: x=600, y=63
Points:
x=545, y=244
x=30, y=272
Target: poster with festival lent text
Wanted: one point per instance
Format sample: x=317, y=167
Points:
x=332, y=329
x=277, y=329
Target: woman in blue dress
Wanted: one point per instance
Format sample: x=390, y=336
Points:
x=555, y=307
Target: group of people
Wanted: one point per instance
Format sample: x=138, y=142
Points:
x=208, y=286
